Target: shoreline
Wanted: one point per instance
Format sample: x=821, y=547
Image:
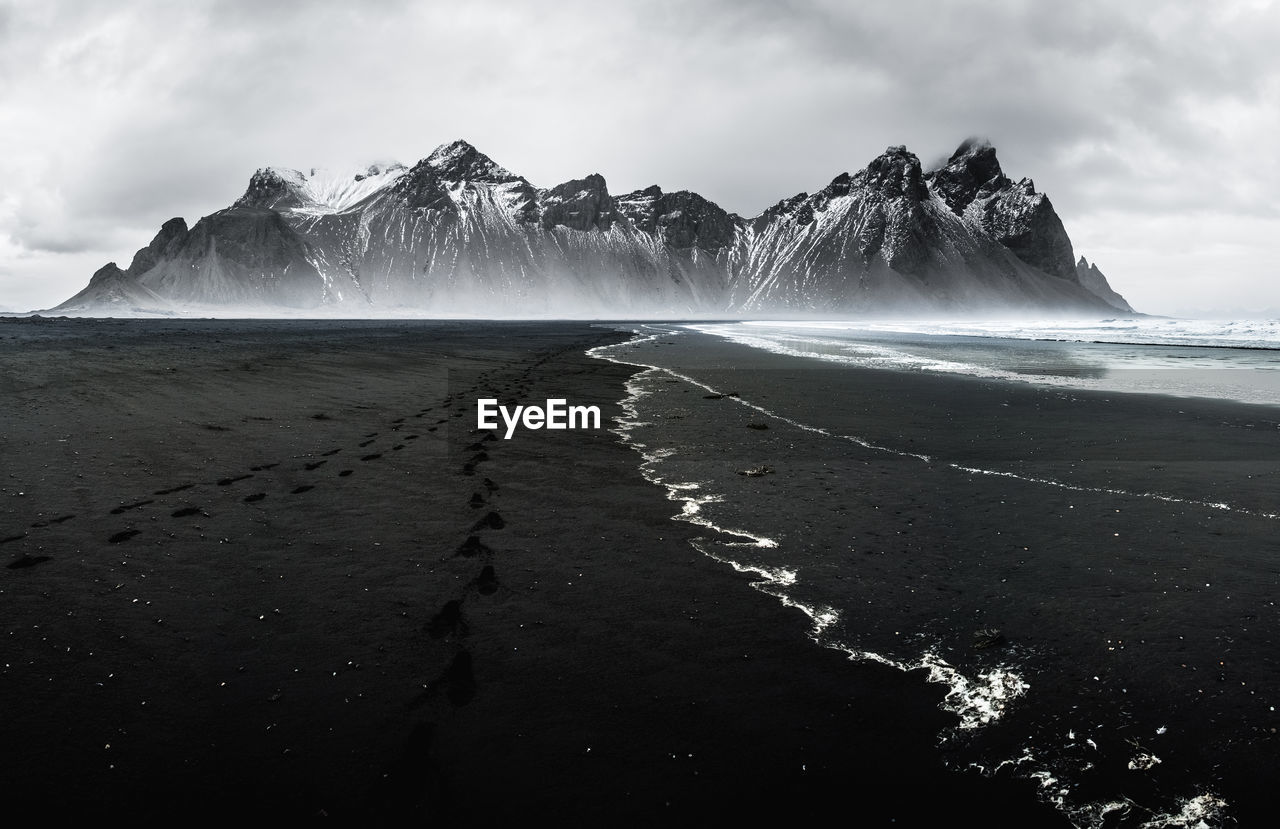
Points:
x=1014, y=501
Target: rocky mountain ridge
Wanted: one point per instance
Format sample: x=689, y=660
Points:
x=1092, y=278
x=458, y=234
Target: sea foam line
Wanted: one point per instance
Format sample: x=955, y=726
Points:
x=975, y=702
x=971, y=470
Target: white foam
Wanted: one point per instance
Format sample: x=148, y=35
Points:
x=1154, y=496
x=1200, y=812
x=976, y=701
x=1264, y=333
x=1143, y=761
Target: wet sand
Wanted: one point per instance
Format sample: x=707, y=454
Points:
x=268, y=570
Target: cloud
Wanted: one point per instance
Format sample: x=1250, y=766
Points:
x=120, y=116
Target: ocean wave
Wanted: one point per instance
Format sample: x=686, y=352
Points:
x=1260, y=334
x=1215, y=360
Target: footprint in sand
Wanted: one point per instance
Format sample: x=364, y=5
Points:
x=448, y=622
x=372, y=457
x=411, y=784
x=492, y=521
x=311, y=467
x=458, y=681
x=472, y=546
x=41, y=524
x=263, y=467
x=229, y=481
x=257, y=496
x=330, y=452
x=173, y=489
x=123, y=508
x=477, y=500
x=487, y=582
x=185, y=511
x=344, y=473
x=302, y=489
x=123, y=535
x=26, y=561
x=366, y=443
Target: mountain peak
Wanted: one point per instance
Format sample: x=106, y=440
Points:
x=683, y=219
x=274, y=188
x=1094, y=281
x=972, y=168
x=973, y=145
x=581, y=204
x=976, y=157
x=972, y=184
x=461, y=161
x=895, y=173
x=454, y=149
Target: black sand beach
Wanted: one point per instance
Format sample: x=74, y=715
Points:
x=271, y=569
x=267, y=570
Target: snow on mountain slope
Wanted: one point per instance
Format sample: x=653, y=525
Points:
x=319, y=190
x=458, y=233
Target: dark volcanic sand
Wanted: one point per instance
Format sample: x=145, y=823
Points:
x=246, y=580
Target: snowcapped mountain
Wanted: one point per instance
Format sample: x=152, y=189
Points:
x=457, y=233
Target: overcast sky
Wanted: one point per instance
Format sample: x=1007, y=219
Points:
x=1152, y=126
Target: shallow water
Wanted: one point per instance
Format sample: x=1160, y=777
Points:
x=1229, y=361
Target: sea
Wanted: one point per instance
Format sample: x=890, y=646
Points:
x=1225, y=359
x=1072, y=527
